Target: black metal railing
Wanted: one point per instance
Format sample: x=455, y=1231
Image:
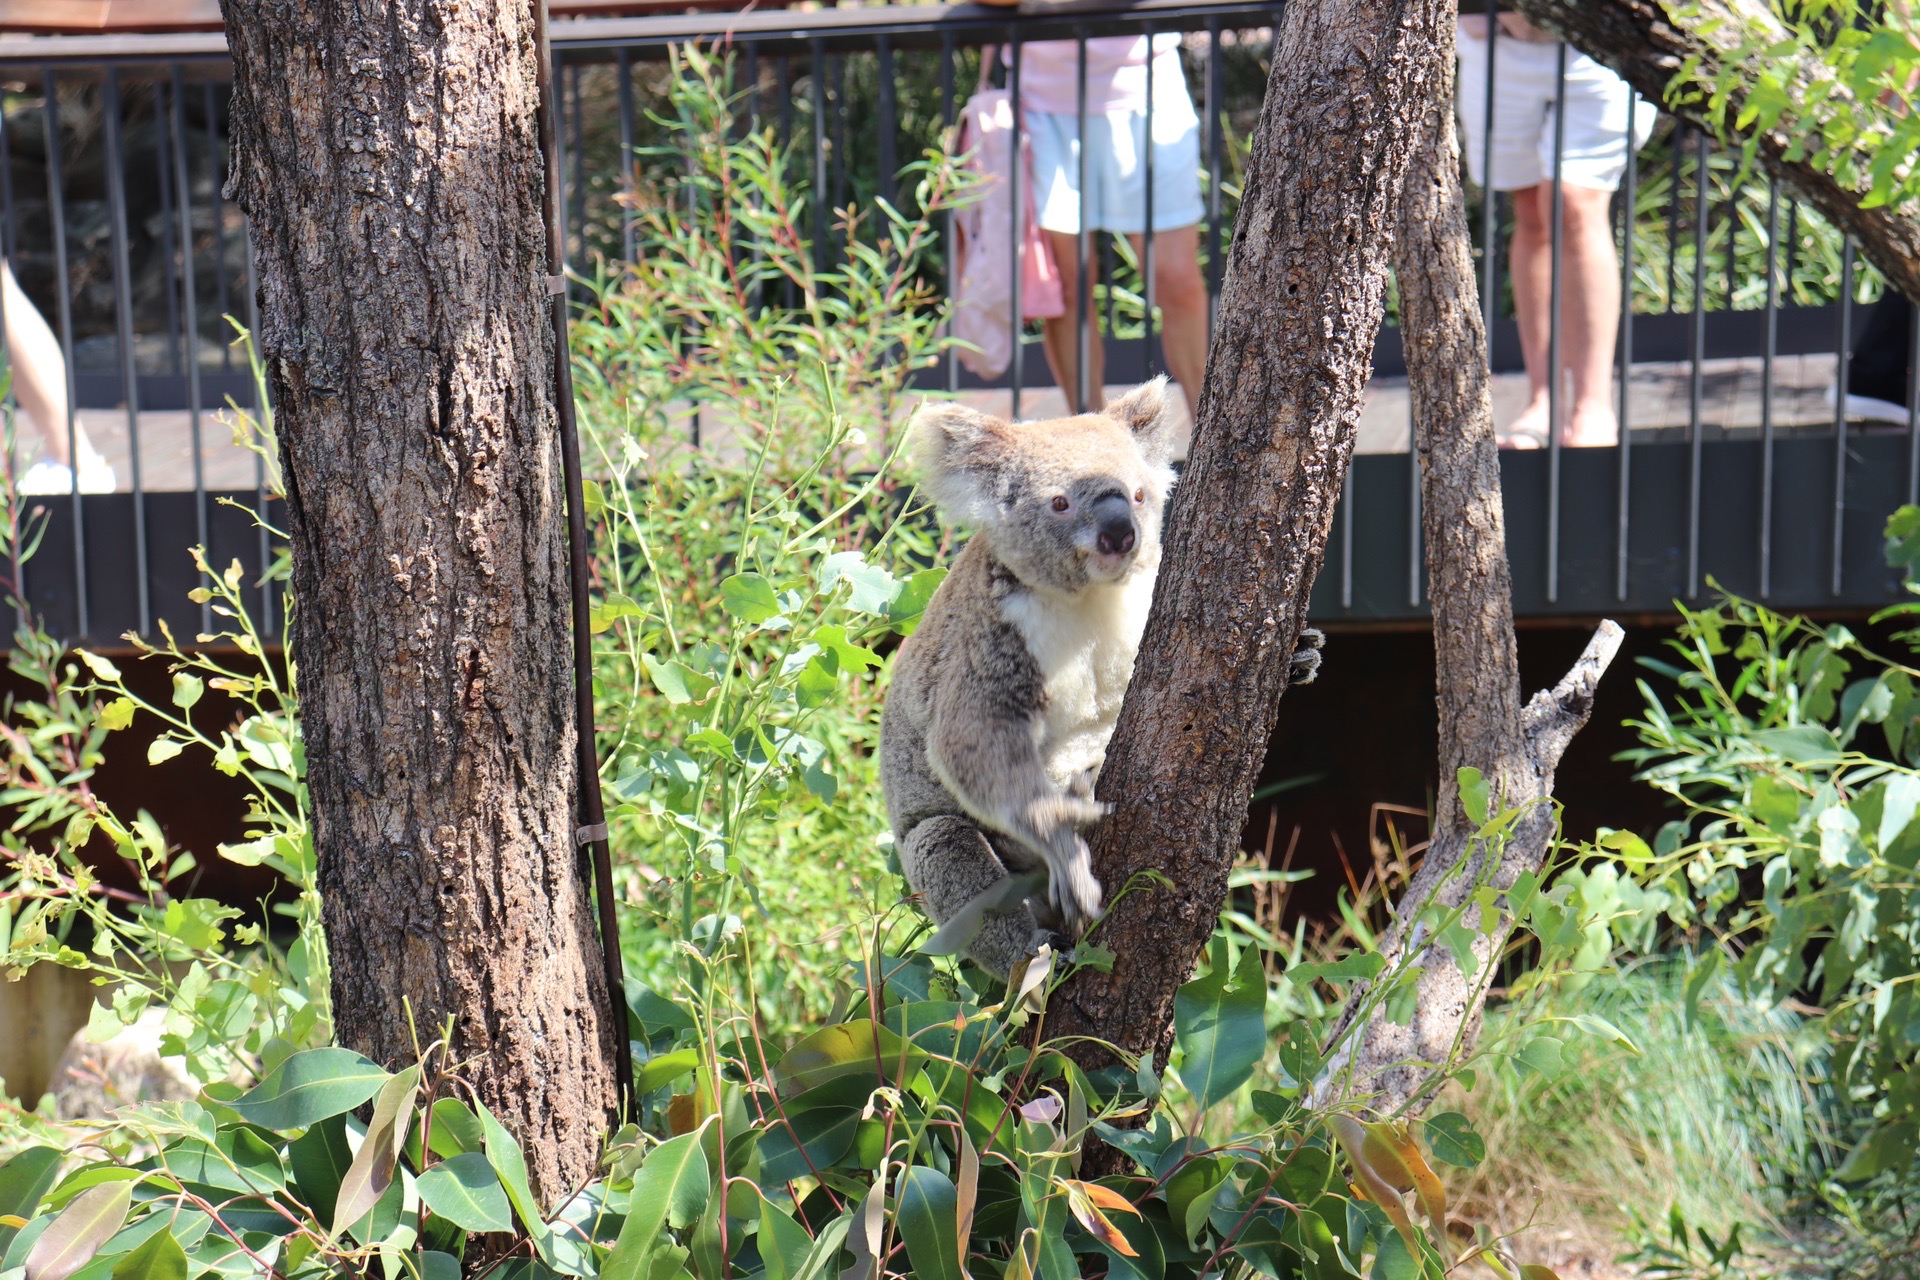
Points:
x=1740, y=306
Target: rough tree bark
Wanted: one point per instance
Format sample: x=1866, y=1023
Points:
x=1303, y=299
x=1648, y=44
x=388, y=158
x=1481, y=720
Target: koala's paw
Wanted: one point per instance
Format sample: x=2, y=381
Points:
x=1073, y=895
x=1065, y=813
x=1059, y=943
x=1306, y=655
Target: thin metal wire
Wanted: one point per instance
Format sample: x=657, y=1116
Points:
x=1695, y=387
x=63, y=309
x=123, y=325
x=191, y=301
x=592, y=813
x=1556, y=298
x=1346, y=539
x=1840, y=418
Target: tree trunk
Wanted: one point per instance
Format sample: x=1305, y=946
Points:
x=1648, y=43
x=388, y=158
x=1482, y=723
x=1289, y=365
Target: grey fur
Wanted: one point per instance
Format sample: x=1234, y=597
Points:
x=1002, y=700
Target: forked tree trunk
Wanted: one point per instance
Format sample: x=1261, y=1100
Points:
x=1649, y=42
x=388, y=157
x=1482, y=722
x=1285, y=379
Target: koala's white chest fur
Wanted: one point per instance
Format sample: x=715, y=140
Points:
x=1084, y=646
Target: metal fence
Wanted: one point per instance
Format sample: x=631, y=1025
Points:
x=1740, y=308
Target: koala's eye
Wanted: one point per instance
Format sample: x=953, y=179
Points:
x=1139, y=496
x=1060, y=503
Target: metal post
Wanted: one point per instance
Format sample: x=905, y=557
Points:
x=190, y=297
x=1840, y=417
x=1695, y=388
x=123, y=322
x=1555, y=374
x=1766, y=389
x=63, y=308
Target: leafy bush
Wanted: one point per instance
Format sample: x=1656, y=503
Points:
x=1795, y=749
x=753, y=547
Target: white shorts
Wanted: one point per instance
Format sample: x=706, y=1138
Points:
x=1116, y=194
x=1600, y=109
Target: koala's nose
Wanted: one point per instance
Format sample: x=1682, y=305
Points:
x=1115, y=534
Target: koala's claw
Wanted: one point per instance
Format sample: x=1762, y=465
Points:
x=1306, y=655
x=1072, y=892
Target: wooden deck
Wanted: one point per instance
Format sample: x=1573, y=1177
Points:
x=1657, y=409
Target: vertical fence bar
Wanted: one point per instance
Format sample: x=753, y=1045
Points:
x=1623, y=511
x=817, y=88
x=219, y=207
x=1674, y=206
x=947, y=114
x=1082, y=389
x=262, y=408
x=163, y=163
x=1146, y=237
x=1840, y=417
x=63, y=296
x=838, y=91
x=1556, y=297
x=190, y=299
x=623, y=68
x=123, y=322
x=9, y=254
x=1489, y=199
x=1793, y=245
x=1013, y=187
x=1216, y=107
x=1346, y=539
x=1913, y=406
x=1695, y=387
x=580, y=171
x=1766, y=388
x=889, y=118
x=560, y=140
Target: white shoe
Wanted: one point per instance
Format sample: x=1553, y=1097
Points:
x=49, y=478
x=1870, y=409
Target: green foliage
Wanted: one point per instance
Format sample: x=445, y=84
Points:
x=1703, y=1101
x=235, y=998
x=1851, y=115
x=1794, y=750
x=754, y=551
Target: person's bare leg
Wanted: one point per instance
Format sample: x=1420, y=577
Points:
x=1530, y=267
x=1590, y=312
x=1059, y=336
x=39, y=370
x=1180, y=291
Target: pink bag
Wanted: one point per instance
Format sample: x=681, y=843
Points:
x=982, y=266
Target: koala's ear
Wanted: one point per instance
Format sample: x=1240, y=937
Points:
x=1143, y=411
x=959, y=453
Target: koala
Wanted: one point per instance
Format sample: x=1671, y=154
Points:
x=1002, y=700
